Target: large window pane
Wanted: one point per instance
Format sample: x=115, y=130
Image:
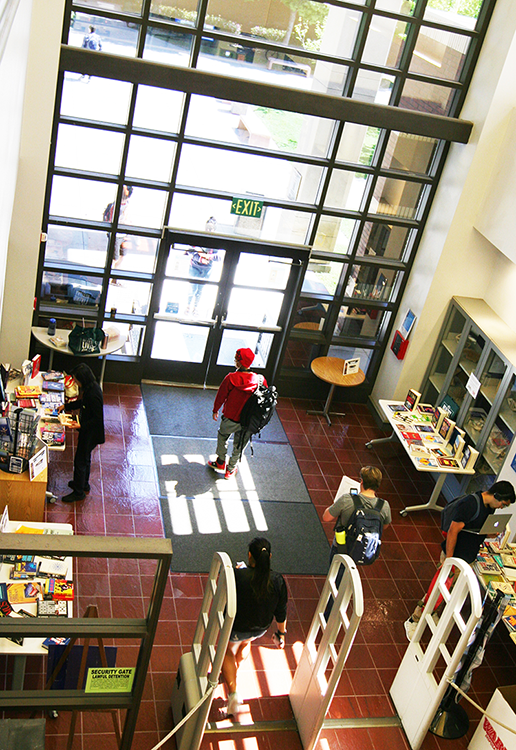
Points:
x=134, y=337
x=413, y=153
x=397, y=6
x=248, y=175
x=358, y=144
x=346, y=190
x=259, y=343
x=385, y=42
x=372, y=283
x=322, y=277
x=84, y=247
x=122, y=6
x=459, y=13
x=253, y=307
x=264, y=271
x=71, y=290
x=384, y=240
x=334, y=234
x=100, y=100
x=180, y=15
x=275, y=225
x=146, y=208
x=80, y=199
x=89, y=149
x=233, y=122
x=439, y=54
x=427, y=97
x=150, y=158
x=359, y=322
x=184, y=261
x=114, y=37
x=373, y=87
x=168, y=46
x=177, y=342
x=185, y=299
x=158, y=109
x=396, y=197
x=136, y=253
x=129, y=297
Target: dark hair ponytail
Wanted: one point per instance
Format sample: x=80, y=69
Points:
x=260, y=549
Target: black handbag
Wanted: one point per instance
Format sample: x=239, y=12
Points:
x=82, y=340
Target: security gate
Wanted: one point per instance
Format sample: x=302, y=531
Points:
x=312, y=690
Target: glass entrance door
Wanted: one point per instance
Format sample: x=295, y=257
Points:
x=213, y=295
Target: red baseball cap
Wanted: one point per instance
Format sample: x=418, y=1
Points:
x=245, y=357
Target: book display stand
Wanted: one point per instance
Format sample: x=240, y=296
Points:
x=119, y=629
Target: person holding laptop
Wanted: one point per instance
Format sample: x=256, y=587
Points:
x=462, y=538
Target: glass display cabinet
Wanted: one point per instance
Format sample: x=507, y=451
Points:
x=474, y=341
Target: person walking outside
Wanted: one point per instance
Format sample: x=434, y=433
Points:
x=232, y=395
x=261, y=598
x=91, y=430
x=92, y=41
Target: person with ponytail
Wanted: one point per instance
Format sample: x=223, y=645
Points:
x=261, y=598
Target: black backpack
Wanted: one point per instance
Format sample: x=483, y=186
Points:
x=364, y=532
x=257, y=411
x=448, y=512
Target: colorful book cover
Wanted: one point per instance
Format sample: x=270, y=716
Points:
x=27, y=391
x=425, y=409
x=53, y=385
x=55, y=642
x=426, y=463
x=23, y=593
x=63, y=590
x=397, y=407
x=448, y=463
x=424, y=428
x=411, y=436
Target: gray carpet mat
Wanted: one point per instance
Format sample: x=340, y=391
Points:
x=201, y=526
x=186, y=412
x=271, y=475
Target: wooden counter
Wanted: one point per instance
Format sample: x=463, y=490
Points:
x=26, y=499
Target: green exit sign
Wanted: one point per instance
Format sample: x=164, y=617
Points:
x=246, y=207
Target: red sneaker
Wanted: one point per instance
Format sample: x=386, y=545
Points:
x=230, y=473
x=216, y=466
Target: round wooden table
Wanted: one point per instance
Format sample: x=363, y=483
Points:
x=330, y=369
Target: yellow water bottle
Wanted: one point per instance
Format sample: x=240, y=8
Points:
x=340, y=535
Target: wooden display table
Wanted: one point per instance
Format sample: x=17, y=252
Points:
x=330, y=369
x=26, y=499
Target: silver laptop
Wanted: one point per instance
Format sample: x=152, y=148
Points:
x=495, y=523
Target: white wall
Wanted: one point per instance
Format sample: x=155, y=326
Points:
x=12, y=79
x=25, y=226
x=454, y=258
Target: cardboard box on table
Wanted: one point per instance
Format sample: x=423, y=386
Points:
x=489, y=734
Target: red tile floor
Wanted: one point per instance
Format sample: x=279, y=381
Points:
x=124, y=502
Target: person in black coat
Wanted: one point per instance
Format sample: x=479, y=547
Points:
x=91, y=430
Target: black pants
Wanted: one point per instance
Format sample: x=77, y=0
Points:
x=82, y=463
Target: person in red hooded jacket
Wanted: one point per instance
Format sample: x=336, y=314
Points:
x=233, y=393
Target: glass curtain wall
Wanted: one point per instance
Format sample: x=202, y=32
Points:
x=129, y=159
